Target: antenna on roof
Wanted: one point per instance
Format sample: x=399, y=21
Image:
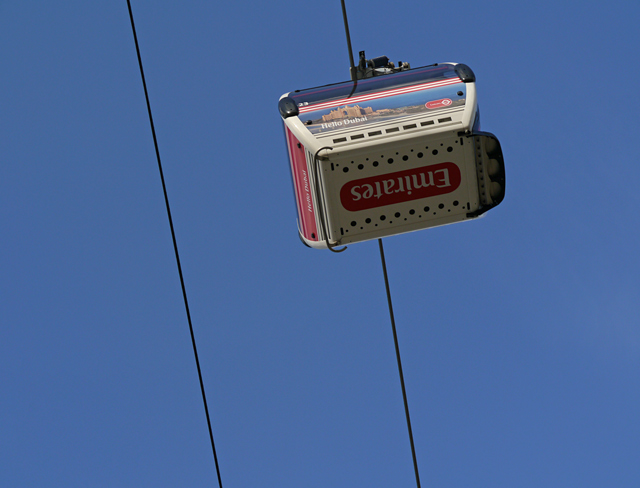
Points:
x=368, y=68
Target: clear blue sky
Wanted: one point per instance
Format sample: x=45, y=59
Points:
x=519, y=332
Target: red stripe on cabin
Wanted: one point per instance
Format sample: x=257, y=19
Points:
x=374, y=96
x=302, y=187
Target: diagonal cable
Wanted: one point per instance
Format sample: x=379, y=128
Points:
x=395, y=340
x=175, y=245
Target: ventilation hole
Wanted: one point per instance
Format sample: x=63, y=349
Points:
x=340, y=139
x=313, y=236
x=460, y=93
x=412, y=211
x=427, y=122
x=361, y=166
x=449, y=149
x=390, y=160
x=426, y=209
x=375, y=133
x=383, y=217
x=455, y=203
x=410, y=126
x=405, y=158
x=368, y=221
x=397, y=214
x=441, y=206
x=357, y=136
x=420, y=155
x=345, y=169
x=393, y=129
x=375, y=163
x=353, y=223
x=446, y=119
x=434, y=152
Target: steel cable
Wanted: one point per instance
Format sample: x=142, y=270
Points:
x=395, y=341
x=175, y=245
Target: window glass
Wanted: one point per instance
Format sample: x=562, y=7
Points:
x=349, y=89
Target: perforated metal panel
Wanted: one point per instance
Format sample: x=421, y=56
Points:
x=397, y=188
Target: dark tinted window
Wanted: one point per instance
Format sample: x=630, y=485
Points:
x=376, y=84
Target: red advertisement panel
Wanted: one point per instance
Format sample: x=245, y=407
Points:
x=302, y=188
x=402, y=186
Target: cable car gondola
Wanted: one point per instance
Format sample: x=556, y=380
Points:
x=395, y=151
